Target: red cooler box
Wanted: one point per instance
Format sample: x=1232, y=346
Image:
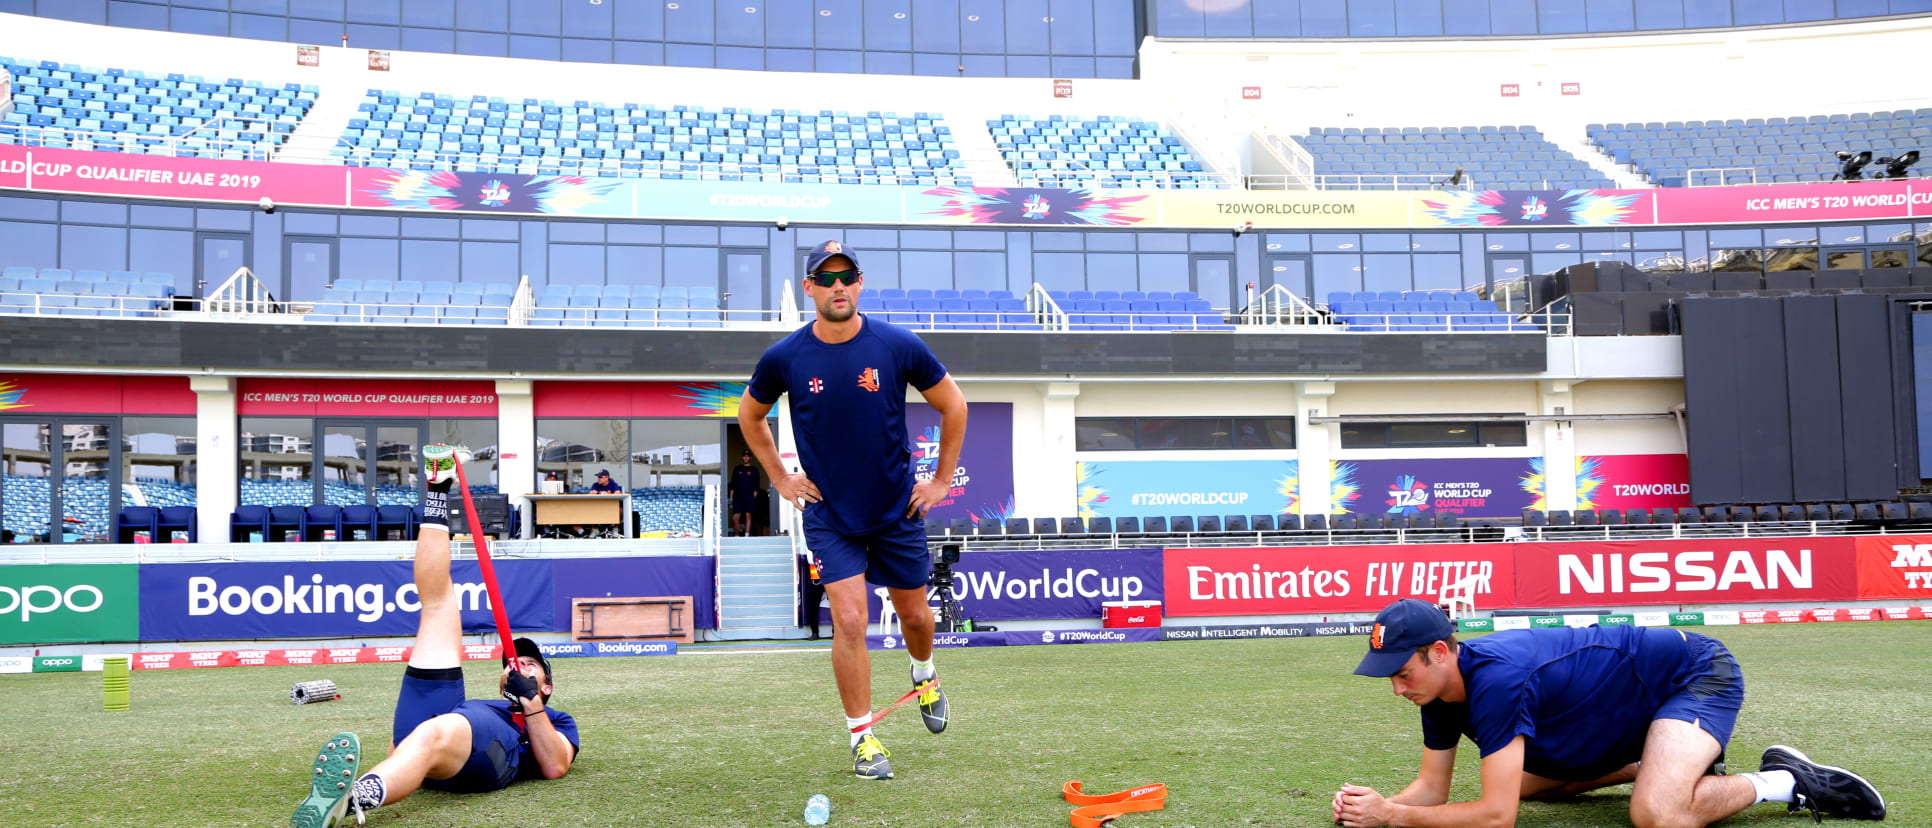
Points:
x=1130, y=614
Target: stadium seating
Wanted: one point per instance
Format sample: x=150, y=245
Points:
x=674, y=510
x=380, y=301
x=1414, y=158
x=430, y=131
x=620, y=306
x=116, y=110
x=1108, y=151
x=85, y=292
x=1759, y=150
x=1418, y=311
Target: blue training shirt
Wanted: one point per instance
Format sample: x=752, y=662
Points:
x=849, y=416
x=1583, y=697
x=527, y=764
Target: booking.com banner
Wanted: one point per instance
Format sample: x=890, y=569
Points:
x=1159, y=488
x=206, y=179
x=315, y=599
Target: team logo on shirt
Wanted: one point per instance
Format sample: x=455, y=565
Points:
x=817, y=385
x=1375, y=637
x=869, y=379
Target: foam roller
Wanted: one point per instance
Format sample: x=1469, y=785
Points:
x=309, y=692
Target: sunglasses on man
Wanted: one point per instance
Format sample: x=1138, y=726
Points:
x=825, y=278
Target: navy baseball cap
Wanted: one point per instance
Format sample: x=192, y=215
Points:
x=529, y=649
x=603, y=472
x=1399, y=629
x=826, y=250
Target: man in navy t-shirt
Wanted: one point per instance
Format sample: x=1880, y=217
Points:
x=864, y=514
x=1559, y=711
x=440, y=739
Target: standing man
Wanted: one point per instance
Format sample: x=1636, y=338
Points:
x=744, y=494
x=864, y=514
x=440, y=739
x=1559, y=711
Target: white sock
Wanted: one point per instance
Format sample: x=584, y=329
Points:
x=922, y=670
x=1772, y=786
x=852, y=723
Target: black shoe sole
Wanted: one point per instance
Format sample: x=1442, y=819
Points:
x=1801, y=757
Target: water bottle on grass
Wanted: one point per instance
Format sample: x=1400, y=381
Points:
x=818, y=809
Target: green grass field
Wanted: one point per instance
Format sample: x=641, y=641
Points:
x=1243, y=733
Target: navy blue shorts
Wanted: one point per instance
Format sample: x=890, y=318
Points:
x=894, y=556
x=494, y=752
x=1714, y=696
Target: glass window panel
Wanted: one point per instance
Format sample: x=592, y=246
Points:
x=979, y=271
x=1371, y=18
x=158, y=459
x=671, y=462
x=1738, y=260
x=1337, y=271
x=1555, y=241
x=1386, y=271
x=1186, y=433
x=1337, y=241
x=979, y=240
x=94, y=248
x=1845, y=260
x=1113, y=28
x=1365, y=435
x=490, y=262
x=1228, y=20
x=1438, y=271
x=1561, y=16
x=94, y=212
x=1418, y=18
x=1512, y=17
x=1757, y=12
x=1504, y=434
x=1611, y=15
x=627, y=265
x=1658, y=239
x=1163, y=271
x=1506, y=241
x=477, y=15
x=698, y=266
x=576, y=231
x=1060, y=271
x=368, y=258
x=888, y=25
x=1553, y=262
x=1111, y=271
x=1178, y=18
x=159, y=251
x=922, y=269
x=982, y=27
x=1748, y=237
x=1432, y=434
x=1892, y=258
x=1111, y=242
x=277, y=461
x=1843, y=234
x=935, y=26
x=1659, y=261
x=1071, y=32
x=1660, y=14
x=33, y=245
x=1385, y=242
x=1278, y=19
x=583, y=264
x=882, y=271
x=1277, y=243
x=311, y=267
x=693, y=21
x=1791, y=258
x=1264, y=432
x=1435, y=242
x=85, y=449
x=741, y=24
x=1163, y=242
x=1058, y=241
x=925, y=240
x=1706, y=14
x=1790, y=236
x=1103, y=434
x=788, y=24
x=575, y=450
x=1883, y=233
x=27, y=449
x=1324, y=18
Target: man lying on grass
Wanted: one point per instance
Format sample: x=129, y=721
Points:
x=1559, y=711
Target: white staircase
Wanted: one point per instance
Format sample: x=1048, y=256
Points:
x=321, y=127
x=977, y=152
x=757, y=589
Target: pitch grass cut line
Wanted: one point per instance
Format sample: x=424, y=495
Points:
x=1245, y=733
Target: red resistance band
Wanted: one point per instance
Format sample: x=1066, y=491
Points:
x=489, y=580
x=1097, y=809
x=921, y=688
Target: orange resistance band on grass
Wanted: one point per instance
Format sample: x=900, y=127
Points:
x=916, y=690
x=1097, y=809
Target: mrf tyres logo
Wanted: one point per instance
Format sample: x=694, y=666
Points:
x=1914, y=562
x=1699, y=570
x=369, y=602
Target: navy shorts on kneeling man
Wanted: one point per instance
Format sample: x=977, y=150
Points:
x=893, y=555
x=498, y=753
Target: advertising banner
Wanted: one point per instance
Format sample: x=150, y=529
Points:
x=1055, y=583
x=308, y=599
x=693, y=575
x=983, y=481
x=162, y=176
x=1293, y=208
x=1792, y=202
x=1894, y=566
x=1632, y=481
x=1714, y=571
x=1238, y=631
x=275, y=397
x=85, y=394
x=1297, y=580
x=1533, y=208
x=1160, y=488
x=1473, y=487
x=48, y=603
x=639, y=399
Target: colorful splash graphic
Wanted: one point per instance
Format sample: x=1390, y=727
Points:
x=1589, y=478
x=1533, y=484
x=1496, y=208
x=10, y=395
x=1407, y=496
x=995, y=514
x=1091, y=494
x=1289, y=487
x=1028, y=205
x=1344, y=487
x=712, y=399
x=488, y=192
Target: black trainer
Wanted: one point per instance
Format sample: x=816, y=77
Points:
x=1824, y=790
x=932, y=703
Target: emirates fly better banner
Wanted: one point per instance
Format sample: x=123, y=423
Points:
x=1313, y=579
x=1714, y=571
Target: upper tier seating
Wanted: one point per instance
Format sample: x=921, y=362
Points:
x=428, y=131
x=84, y=292
x=116, y=110
x=1782, y=150
x=627, y=306
x=1414, y=158
x=1108, y=151
x=675, y=510
x=1420, y=311
x=380, y=301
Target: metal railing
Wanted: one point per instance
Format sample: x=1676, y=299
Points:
x=192, y=143
x=241, y=295
x=1726, y=176
x=1277, y=306
x=1362, y=181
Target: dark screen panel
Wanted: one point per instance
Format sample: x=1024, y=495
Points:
x=1922, y=382
x=1865, y=372
x=1711, y=328
x=1764, y=411
x=1817, y=418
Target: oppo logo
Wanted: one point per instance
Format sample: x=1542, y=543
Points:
x=56, y=662
x=43, y=599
